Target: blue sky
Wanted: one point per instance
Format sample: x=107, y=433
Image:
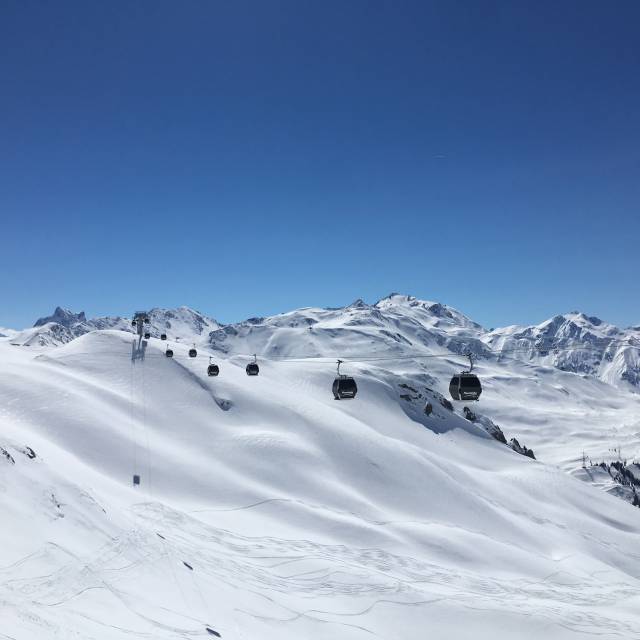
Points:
x=249, y=157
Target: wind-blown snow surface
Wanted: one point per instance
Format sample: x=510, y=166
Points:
x=298, y=516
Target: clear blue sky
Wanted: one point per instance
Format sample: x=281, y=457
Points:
x=248, y=157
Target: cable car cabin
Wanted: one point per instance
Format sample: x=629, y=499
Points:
x=163, y=336
x=253, y=369
x=465, y=386
x=344, y=387
x=147, y=335
x=192, y=352
x=213, y=370
x=134, y=323
x=169, y=353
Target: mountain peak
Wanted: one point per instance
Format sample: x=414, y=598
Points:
x=359, y=303
x=580, y=315
x=396, y=297
x=62, y=316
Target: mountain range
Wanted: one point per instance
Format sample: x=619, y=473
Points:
x=395, y=325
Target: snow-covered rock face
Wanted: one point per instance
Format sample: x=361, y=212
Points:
x=578, y=343
x=63, y=317
x=183, y=323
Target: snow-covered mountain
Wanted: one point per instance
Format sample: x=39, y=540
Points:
x=578, y=343
x=64, y=317
x=65, y=325
x=397, y=324
x=404, y=325
x=6, y=333
x=265, y=509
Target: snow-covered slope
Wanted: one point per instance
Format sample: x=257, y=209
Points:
x=268, y=510
x=6, y=333
x=557, y=412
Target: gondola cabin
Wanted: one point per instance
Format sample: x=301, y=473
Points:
x=213, y=370
x=193, y=352
x=344, y=387
x=465, y=386
x=253, y=369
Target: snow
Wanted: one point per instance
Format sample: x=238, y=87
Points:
x=577, y=343
x=303, y=517
x=6, y=333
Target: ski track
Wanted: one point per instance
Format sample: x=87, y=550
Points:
x=370, y=575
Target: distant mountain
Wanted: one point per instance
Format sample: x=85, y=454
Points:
x=397, y=325
x=64, y=325
x=578, y=343
x=62, y=317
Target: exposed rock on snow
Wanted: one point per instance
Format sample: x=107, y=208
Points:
x=515, y=445
x=62, y=317
x=617, y=477
x=496, y=432
x=7, y=456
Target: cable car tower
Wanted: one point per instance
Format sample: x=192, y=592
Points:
x=139, y=322
x=140, y=318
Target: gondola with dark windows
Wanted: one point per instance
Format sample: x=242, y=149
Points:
x=344, y=387
x=163, y=336
x=147, y=335
x=252, y=368
x=193, y=352
x=212, y=369
x=465, y=385
x=169, y=352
